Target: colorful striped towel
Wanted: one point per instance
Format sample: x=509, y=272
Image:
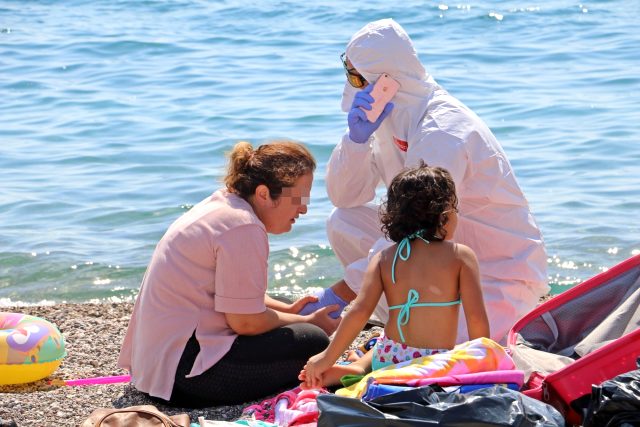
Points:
x=479, y=355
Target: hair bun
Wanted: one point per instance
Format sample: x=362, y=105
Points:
x=241, y=154
x=277, y=164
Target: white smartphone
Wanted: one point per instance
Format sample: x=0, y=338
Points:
x=384, y=89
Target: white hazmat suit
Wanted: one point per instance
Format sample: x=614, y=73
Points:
x=429, y=124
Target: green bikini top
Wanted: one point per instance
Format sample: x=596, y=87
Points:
x=413, y=297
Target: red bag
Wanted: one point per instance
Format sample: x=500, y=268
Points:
x=584, y=336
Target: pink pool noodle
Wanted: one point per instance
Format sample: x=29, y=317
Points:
x=99, y=380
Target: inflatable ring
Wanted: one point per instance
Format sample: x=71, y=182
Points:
x=30, y=348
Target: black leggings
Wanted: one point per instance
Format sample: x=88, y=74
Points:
x=255, y=367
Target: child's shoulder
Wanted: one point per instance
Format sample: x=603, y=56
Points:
x=463, y=252
x=385, y=254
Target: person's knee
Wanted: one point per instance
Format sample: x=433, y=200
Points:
x=506, y=303
x=310, y=337
x=517, y=298
x=316, y=335
x=349, y=220
x=321, y=342
x=335, y=220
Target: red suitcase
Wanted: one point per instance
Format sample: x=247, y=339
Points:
x=556, y=329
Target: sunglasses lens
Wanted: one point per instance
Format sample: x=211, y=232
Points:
x=355, y=81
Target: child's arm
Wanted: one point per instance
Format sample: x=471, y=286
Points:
x=471, y=294
x=350, y=326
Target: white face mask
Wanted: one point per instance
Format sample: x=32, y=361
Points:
x=348, y=94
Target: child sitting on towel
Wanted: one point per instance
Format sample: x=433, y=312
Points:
x=424, y=276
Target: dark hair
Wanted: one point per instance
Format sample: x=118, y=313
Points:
x=417, y=200
x=277, y=164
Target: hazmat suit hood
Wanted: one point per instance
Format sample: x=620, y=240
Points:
x=384, y=47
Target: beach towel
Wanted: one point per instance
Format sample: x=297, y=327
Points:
x=303, y=411
x=290, y=408
x=513, y=379
x=479, y=355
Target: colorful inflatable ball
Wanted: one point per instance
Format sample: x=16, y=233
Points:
x=31, y=348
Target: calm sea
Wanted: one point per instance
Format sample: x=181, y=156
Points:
x=115, y=117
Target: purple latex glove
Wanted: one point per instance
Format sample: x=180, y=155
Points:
x=325, y=297
x=360, y=128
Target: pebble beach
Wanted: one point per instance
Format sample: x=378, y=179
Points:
x=93, y=334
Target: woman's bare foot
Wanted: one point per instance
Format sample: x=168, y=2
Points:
x=332, y=376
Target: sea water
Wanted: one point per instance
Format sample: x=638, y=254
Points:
x=115, y=117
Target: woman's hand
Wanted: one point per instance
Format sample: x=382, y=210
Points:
x=298, y=305
x=322, y=319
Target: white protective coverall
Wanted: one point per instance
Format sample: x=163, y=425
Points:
x=429, y=124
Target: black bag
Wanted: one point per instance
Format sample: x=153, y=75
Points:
x=615, y=402
x=423, y=406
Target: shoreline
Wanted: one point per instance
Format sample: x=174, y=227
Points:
x=93, y=333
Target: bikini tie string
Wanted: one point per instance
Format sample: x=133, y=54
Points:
x=404, y=251
x=405, y=309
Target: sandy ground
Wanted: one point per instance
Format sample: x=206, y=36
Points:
x=93, y=334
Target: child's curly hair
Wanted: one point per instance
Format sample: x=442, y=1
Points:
x=417, y=199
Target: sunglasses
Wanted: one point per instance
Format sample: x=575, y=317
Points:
x=354, y=78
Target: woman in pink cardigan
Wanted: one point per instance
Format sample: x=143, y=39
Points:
x=203, y=330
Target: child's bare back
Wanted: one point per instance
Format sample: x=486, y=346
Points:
x=433, y=270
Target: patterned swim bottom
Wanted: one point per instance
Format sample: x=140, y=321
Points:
x=389, y=352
